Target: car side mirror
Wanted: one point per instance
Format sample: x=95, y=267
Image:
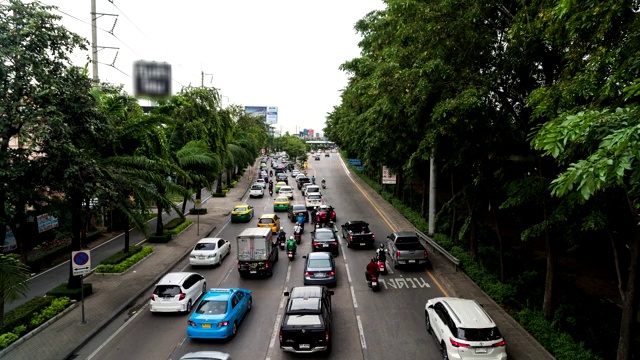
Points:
x=304, y=256
x=430, y=307
x=286, y=293
x=331, y=292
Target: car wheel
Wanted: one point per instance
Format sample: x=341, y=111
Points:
x=249, y=306
x=443, y=348
x=234, y=330
x=427, y=322
x=188, y=307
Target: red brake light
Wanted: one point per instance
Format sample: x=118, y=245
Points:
x=153, y=296
x=334, y=243
x=280, y=335
x=266, y=265
x=223, y=323
x=182, y=296
x=398, y=254
x=350, y=237
x=332, y=273
x=315, y=243
x=500, y=343
x=425, y=253
x=191, y=323
x=238, y=265
x=457, y=344
x=326, y=335
x=308, y=273
x=373, y=236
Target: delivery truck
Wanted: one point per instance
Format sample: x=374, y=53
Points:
x=256, y=252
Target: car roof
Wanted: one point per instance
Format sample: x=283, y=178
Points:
x=281, y=182
x=206, y=355
x=285, y=188
x=271, y=216
x=467, y=313
x=259, y=180
x=405, y=233
x=219, y=293
x=319, y=255
x=357, y=222
x=208, y=240
x=306, y=291
x=174, y=278
x=304, y=305
x=282, y=198
x=317, y=230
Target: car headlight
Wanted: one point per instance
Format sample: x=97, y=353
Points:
x=192, y=256
x=212, y=255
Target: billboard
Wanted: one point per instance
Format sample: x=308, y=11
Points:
x=387, y=176
x=9, y=243
x=310, y=132
x=151, y=79
x=272, y=114
x=257, y=111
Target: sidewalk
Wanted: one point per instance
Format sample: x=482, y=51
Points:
x=520, y=344
x=113, y=294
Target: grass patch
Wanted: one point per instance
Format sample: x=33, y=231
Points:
x=121, y=256
x=178, y=229
x=126, y=264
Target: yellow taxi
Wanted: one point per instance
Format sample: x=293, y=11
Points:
x=280, y=184
x=281, y=203
x=270, y=221
x=242, y=212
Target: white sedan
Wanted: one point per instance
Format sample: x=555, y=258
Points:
x=209, y=251
x=295, y=172
x=286, y=191
x=313, y=200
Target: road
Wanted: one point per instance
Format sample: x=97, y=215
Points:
x=42, y=282
x=385, y=325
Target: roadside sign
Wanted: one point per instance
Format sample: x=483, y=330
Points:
x=198, y=203
x=360, y=168
x=81, y=262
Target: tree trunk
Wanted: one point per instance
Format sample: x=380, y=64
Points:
x=453, y=216
x=126, y=237
x=76, y=228
x=219, y=184
x=500, y=246
x=184, y=203
x=425, y=196
x=473, y=239
x=159, y=224
x=549, y=284
x=629, y=304
x=229, y=178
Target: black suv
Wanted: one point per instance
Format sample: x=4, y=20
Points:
x=282, y=177
x=295, y=210
x=306, y=324
x=302, y=181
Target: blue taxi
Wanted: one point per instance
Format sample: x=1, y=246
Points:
x=219, y=313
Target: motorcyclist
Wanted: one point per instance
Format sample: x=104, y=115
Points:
x=270, y=172
x=297, y=229
x=323, y=182
x=380, y=254
x=314, y=211
x=372, y=269
x=270, y=187
x=291, y=245
x=282, y=236
x=300, y=220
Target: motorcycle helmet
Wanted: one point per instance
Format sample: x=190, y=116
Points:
x=373, y=259
x=381, y=246
x=291, y=238
x=281, y=228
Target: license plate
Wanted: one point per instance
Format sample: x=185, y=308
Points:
x=206, y=326
x=253, y=272
x=305, y=346
x=374, y=283
x=200, y=257
x=363, y=244
x=481, y=351
x=320, y=275
x=412, y=261
x=325, y=245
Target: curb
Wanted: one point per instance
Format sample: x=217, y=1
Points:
x=249, y=187
x=127, y=304
x=37, y=330
x=126, y=271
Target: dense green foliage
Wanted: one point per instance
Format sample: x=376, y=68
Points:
x=180, y=227
x=63, y=290
x=21, y=315
x=127, y=263
x=22, y=322
x=121, y=255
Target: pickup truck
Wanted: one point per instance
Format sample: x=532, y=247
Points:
x=404, y=248
x=306, y=324
x=356, y=232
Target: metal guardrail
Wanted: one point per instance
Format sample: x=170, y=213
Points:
x=441, y=250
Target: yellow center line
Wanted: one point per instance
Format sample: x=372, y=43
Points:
x=392, y=227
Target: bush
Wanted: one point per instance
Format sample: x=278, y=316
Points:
x=444, y=241
x=178, y=229
x=75, y=294
x=21, y=315
x=233, y=184
x=94, y=235
x=46, y=259
x=173, y=223
x=560, y=344
x=222, y=194
x=200, y=211
x=7, y=338
x=56, y=307
x=157, y=239
x=123, y=266
x=120, y=256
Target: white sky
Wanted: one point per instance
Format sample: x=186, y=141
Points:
x=283, y=53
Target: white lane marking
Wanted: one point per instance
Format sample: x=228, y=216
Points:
x=389, y=267
x=129, y=321
x=363, y=342
x=227, y=276
x=348, y=272
x=275, y=331
x=344, y=166
x=353, y=297
x=281, y=303
x=288, y=274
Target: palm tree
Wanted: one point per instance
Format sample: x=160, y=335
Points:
x=14, y=280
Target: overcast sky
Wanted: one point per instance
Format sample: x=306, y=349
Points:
x=283, y=53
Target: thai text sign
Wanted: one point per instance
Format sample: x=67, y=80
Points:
x=387, y=176
x=46, y=222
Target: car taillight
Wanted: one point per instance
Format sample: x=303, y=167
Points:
x=280, y=335
x=266, y=265
x=332, y=273
x=153, y=297
x=182, y=296
x=238, y=265
x=373, y=236
x=398, y=254
x=425, y=253
x=315, y=243
x=191, y=323
x=223, y=323
x=326, y=335
x=500, y=343
x=457, y=344
x=350, y=237
x=308, y=273
x=334, y=243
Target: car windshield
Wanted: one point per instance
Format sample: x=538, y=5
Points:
x=319, y=263
x=282, y=199
x=256, y=187
x=167, y=290
x=488, y=334
x=205, y=246
x=266, y=221
x=324, y=235
x=296, y=320
x=299, y=208
x=286, y=189
x=241, y=208
x=216, y=307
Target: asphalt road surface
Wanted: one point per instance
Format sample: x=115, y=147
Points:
x=388, y=324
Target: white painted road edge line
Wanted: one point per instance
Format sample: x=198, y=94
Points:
x=389, y=268
x=288, y=274
x=275, y=331
x=363, y=342
x=353, y=298
x=281, y=303
x=346, y=266
x=116, y=333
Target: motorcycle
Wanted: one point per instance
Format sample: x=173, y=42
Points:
x=382, y=266
x=324, y=185
x=282, y=240
x=373, y=283
x=298, y=237
x=290, y=254
x=270, y=192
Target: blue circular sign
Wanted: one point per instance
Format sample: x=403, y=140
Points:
x=81, y=258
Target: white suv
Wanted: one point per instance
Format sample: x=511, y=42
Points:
x=257, y=190
x=310, y=188
x=464, y=330
x=177, y=292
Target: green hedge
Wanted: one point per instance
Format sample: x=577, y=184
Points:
x=222, y=194
x=178, y=229
x=129, y=262
x=233, y=184
x=75, y=294
x=21, y=315
x=173, y=223
x=120, y=256
x=560, y=344
x=33, y=320
x=156, y=239
x=200, y=211
x=46, y=259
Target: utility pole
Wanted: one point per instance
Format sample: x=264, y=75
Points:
x=202, y=78
x=432, y=195
x=94, y=41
